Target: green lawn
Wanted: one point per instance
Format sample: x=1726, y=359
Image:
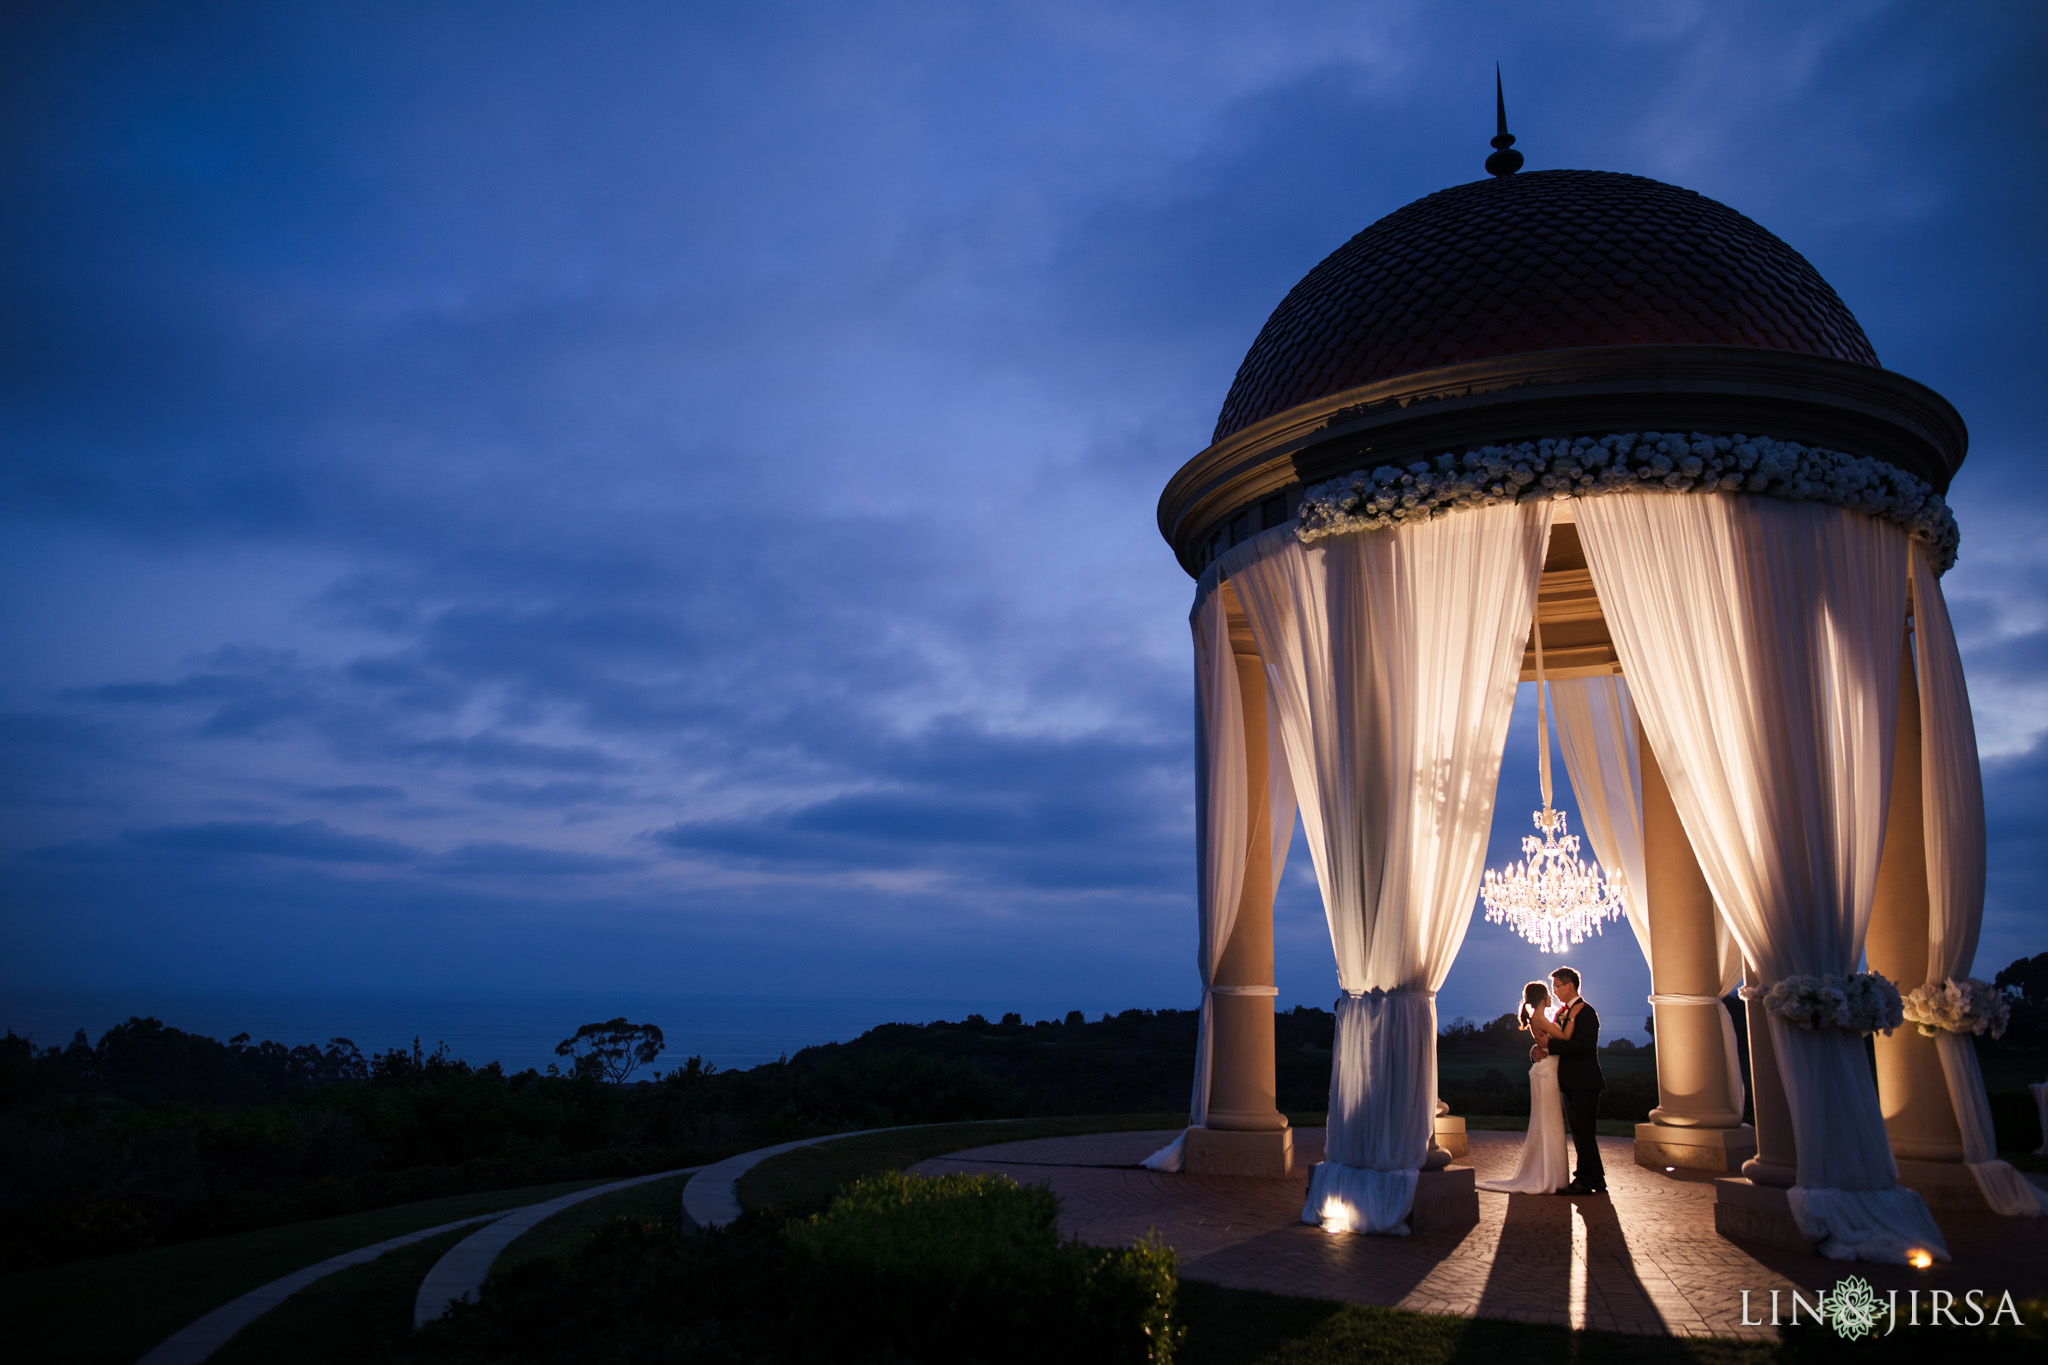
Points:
x=811, y=1175
x=565, y=1234
x=1454, y=1067
x=112, y=1309
x=360, y=1314
x=2012, y=1073
x=1519, y=1123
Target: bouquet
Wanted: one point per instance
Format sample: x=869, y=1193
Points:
x=1958, y=1005
x=1862, y=1002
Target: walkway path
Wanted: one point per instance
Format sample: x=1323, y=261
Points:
x=200, y=1340
x=712, y=1200
x=1645, y=1260
x=457, y=1276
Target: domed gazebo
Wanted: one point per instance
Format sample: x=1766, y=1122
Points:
x=1631, y=415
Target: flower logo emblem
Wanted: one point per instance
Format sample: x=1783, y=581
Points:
x=1853, y=1308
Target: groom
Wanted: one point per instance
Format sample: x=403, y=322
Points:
x=1579, y=1078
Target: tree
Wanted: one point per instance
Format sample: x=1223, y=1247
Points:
x=2026, y=978
x=612, y=1050
x=2025, y=984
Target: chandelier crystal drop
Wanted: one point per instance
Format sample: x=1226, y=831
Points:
x=1553, y=897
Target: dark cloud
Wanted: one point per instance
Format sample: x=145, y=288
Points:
x=520, y=860
x=548, y=794
x=308, y=840
x=356, y=793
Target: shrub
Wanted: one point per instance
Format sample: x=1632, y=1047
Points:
x=972, y=1268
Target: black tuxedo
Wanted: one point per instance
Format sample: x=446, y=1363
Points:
x=1578, y=1057
x=1579, y=1078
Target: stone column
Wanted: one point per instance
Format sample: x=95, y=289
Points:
x=1246, y=1132
x=1911, y=1087
x=1698, y=1121
x=1754, y=1207
x=1776, y=1162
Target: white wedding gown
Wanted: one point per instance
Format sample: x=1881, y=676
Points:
x=1544, y=1150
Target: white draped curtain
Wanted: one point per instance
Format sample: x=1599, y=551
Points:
x=1221, y=811
x=1762, y=637
x=1391, y=659
x=1596, y=727
x=1222, y=821
x=1952, y=796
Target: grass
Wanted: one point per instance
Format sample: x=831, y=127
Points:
x=809, y=1176
x=566, y=1233
x=1519, y=1123
x=362, y=1313
x=1470, y=1066
x=112, y=1309
x=2011, y=1073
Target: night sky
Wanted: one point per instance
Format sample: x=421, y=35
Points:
x=661, y=497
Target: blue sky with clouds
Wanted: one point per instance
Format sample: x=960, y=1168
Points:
x=662, y=496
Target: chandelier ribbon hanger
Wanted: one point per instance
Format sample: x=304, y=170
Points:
x=1552, y=898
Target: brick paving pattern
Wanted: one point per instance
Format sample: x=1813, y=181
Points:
x=1645, y=1259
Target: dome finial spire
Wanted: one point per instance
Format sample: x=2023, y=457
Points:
x=1505, y=159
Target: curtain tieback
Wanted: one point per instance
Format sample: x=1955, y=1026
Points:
x=1672, y=998
x=1244, y=990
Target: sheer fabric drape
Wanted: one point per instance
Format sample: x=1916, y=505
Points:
x=1952, y=795
x=1220, y=833
x=1596, y=727
x=1392, y=657
x=1762, y=636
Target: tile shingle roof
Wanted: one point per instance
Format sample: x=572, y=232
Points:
x=1544, y=260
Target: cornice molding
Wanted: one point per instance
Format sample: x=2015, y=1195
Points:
x=1814, y=400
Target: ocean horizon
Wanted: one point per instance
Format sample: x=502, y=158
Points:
x=517, y=1030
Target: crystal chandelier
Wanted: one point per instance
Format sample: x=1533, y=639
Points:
x=1552, y=897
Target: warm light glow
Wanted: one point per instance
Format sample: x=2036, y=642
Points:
x=1919, y=1258
x=1552, y=897
x=1338, y=1216
x=1669, y=1169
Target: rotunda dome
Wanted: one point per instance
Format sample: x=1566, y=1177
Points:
x=1540, y=261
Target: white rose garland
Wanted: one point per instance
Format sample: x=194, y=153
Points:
x=1958, y=1005
x=1391, y=495
x=1863, y=1002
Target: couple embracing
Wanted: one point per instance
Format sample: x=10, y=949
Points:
x=1564, y=1083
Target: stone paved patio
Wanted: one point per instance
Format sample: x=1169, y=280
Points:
x=1646, y=1259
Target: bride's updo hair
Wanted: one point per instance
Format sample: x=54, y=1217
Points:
x=1535, y=996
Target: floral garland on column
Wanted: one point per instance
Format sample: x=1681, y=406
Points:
x=1958, y=1005
x=1862, y=1002
x=1584, y=466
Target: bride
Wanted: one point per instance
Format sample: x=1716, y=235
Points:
x=1544, y=1160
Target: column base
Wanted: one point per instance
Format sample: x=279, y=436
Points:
x=1947, y=1186
x=1214, y=1151
x=1695, y=1149
x=1745, y=1211
x=1450, y=1135
x=1446, y=1200
x=1911, y=1149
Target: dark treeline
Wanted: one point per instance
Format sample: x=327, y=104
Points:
x=155, y=1135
